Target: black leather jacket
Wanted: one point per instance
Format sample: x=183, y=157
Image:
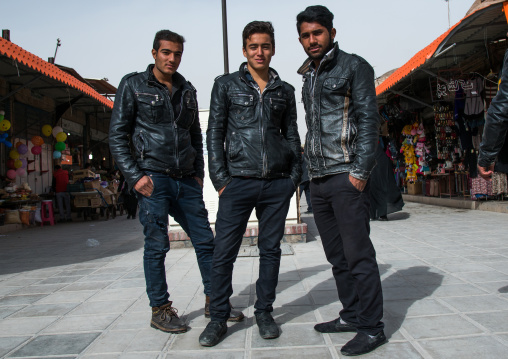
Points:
x=341, y=115
x=259, y=132
x=143, y=113
x=496, y=124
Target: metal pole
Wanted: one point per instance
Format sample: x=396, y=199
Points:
x=225, y=37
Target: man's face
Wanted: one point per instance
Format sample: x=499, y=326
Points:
x=315, y=39
x=168, y=58
x=258, y=51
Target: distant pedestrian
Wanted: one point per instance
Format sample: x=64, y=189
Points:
x=63, y=198
x=496, y=126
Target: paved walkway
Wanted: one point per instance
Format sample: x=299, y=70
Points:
x=77, y=291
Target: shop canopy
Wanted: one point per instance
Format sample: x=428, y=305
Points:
x=468, y=37
x=20, y=67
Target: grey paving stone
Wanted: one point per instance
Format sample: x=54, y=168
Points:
x=466, y=348
x=148, y=339
x=439, y=326
x=317, y=352
x=45, y=310
x=294, y=314
x=102, y=307
x=39, y=289
x=479, y=303
x=453, y=290
x=465, y=267
x=411, y=308
x=481, y=277
x=493, y=321
x=117, y=294
x=67, y=297
x=58, y=280
x=63, y=344
x=131, y=283
x=293, y=298
x=114, y=341
x=20, y=299
x=85, y=286
x=398, y=293
x=25, y=326
x=8, y=290
x=6, y=311
x=133, y=320
x=89, y=323
x=210, y=354
x=291, y=335
x=100, y=277
x=9, y=343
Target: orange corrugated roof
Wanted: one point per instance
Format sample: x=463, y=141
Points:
x=17, y=53
x=416, y=61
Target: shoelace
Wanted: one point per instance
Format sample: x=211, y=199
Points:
x=172, y=312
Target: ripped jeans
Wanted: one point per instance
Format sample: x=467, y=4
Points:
x=181, y=198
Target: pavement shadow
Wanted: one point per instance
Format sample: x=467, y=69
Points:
x=503, y=289
x=68, y=243
x=398, y=216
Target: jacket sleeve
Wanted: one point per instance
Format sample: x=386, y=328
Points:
x=496, y=124
x=363, y=93
x=216, y=136
x=290, y=133
x=197, y=143
x=122, y=122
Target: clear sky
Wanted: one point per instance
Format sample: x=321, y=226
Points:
x=109, y=38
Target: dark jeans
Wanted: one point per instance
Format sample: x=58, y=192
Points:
x=341, y=213
x=183, y=200
x=271, y=199
x=305, y=187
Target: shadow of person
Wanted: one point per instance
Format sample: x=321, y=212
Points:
x=503, y=289
x=398, y=216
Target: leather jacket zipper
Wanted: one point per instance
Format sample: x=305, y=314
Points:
x=142, y=139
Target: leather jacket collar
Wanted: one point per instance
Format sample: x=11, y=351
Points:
x=331, y=55
x=178, y=79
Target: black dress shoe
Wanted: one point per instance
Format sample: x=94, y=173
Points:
x=335, y=326
x=213, y=333
x=268, y=329
x=363, y=343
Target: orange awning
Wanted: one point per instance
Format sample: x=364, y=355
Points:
x=17, y=53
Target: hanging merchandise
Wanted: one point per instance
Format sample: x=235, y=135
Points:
x=408, y=149
x=37, y=140
x=57, y=154
x=61, y=137
x=56, y=130
x=60, y=146
x=3, y=139
x=36, y=150
x=446, y=135
x=46, y=130
x=22, y=149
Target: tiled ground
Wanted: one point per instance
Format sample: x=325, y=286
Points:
x=444, y=274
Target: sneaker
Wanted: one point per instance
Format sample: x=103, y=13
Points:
x=335, y=326
x=383, y=218
x=165, y=318
x=363, y=343
x=213, y=333
x=234, y=316
x=268, y=329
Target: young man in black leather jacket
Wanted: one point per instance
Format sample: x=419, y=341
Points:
x=156, y=113
x=343, y=128
x=496, y=126
x=254, y=162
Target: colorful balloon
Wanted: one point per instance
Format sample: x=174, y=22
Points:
x=23, y=163
x=21, y=172
x=19, y=143
x=36, y=150
x=18, y=163
x=46, y=130
x=22, y=149
x=57, y=154
x=10, y=164
x=2, y=114
x=61, y=137
x=60, y=146
x=14, y=154
x=56, y=130
x=11, y=174
x=37, y=141
x=5, y=125
x=3, y=139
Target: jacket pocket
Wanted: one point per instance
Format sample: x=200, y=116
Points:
x=335, y=90
x=235, y=147
x=277, y=109
x=189, y=111
x=151, y=107
x=242, y=107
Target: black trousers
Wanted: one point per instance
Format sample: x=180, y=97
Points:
x=270, y=198
x=341, y=213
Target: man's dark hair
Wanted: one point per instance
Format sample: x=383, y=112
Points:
x=166, y=35
x=57, y=167
x=315, y=13
x=258, y=27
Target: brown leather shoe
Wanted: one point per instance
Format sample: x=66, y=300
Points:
x=165, y=318
x=234, y=316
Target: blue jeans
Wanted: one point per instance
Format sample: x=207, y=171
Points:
x=271, y=199
x=181, y=198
